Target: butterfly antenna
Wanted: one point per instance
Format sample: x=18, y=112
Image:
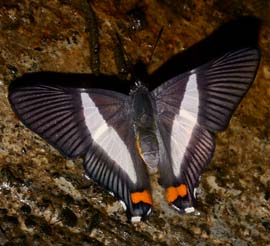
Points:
x=155, y=45
x=123, y=60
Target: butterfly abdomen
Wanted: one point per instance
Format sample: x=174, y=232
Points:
x=145, y=127
x=147, y=146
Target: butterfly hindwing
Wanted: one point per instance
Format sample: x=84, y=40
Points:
x=94, y=124
x=190, y=108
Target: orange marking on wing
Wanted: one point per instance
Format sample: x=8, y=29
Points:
x=182, y=190
x=143, y=196
x=173, y=192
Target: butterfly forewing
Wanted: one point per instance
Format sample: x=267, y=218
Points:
x=54, y=113
x=222, y=84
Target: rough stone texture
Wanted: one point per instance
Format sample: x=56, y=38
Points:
x=46, y=200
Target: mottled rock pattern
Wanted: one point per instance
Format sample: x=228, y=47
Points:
x=46, y=200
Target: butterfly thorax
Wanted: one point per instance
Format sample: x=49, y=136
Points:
x=144, y=123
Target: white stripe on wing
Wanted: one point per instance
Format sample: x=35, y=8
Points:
x=106, y=137
x=183, y=123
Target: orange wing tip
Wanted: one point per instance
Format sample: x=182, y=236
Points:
x=143, y=196
x=173, y=192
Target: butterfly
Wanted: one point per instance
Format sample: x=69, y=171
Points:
x=122, y=132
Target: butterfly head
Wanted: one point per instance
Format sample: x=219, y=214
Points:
x=138, y=85
x=138, y=76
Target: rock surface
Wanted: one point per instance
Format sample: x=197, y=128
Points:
x=46, y=200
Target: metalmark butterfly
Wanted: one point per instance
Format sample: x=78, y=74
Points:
x=121, y=128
